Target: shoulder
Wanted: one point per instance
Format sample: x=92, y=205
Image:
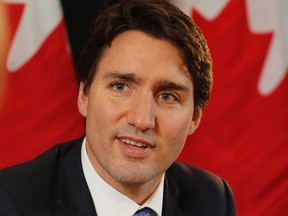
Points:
x=200, y=188
x=33, y=182
x=38, y=167
x=30, y=170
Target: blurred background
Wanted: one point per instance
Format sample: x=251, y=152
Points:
x=243, y=136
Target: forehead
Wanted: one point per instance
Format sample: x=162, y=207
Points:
x=147, y=56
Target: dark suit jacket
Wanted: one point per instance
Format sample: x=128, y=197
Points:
x=53, y=184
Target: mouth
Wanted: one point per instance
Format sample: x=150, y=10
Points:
x=135, y=147
x=133, y=143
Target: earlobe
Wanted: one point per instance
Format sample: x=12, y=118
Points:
x=82, y=100
x=195, y=121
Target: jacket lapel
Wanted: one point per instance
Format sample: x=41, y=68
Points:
x=73, y=194
x=171, y=202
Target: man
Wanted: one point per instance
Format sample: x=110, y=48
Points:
x=145, y=78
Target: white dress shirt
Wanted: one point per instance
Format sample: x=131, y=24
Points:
x=108, y=201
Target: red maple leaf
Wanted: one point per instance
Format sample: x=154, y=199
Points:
x=243, y=135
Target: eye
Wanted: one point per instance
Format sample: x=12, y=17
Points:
x=119, y=87
x=168, y=97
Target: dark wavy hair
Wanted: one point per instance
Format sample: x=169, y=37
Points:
x=161, y=20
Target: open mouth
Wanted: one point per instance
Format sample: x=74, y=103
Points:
x=133, y=143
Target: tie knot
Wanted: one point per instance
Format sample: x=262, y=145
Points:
x=144, y=212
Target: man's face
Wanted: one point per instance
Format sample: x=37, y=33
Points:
x=139, y=109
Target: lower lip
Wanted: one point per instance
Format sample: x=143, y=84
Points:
x=132, y=151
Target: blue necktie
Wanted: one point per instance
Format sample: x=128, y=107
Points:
x=144, y=212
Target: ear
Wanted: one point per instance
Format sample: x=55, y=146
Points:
x=82, y=100
x=195, y=121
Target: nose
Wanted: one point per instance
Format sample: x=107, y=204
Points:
x=141, y=113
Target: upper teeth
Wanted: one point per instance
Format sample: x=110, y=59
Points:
x=133, y=143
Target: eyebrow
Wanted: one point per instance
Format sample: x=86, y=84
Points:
x=124, y=76
x=169, y=85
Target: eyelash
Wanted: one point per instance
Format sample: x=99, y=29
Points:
x=175, y=97
x=114, y=85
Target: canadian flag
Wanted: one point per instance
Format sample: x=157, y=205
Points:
x=244, y=133
x=39, y=107
x=243, y=136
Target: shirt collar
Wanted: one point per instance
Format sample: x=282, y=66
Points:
x=108, y=201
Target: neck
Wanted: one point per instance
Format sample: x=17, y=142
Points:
x=139, y=193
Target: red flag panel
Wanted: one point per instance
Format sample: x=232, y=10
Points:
x=40, y=103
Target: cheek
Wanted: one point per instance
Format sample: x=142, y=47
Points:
x=175, y=131
x=176, y=126
x=95, y=117
x=102, y=114
x=172, y=142
x=99, y=108
x=99, y=126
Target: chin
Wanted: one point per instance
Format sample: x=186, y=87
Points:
x=134, y=177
